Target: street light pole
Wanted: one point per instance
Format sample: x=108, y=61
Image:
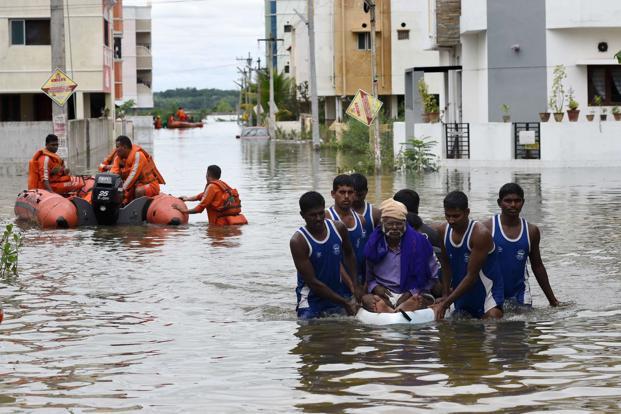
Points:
x=313, y=75
x=375, y=137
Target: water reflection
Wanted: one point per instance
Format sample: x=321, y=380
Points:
x=224, y=236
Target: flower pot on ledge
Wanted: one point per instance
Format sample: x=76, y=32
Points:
x=590, y=117
x=433, y=117
x=558, y=116
x=602, y=117
x=617, y=116
x=572, y=114
x=544, y=116
x=506, y=118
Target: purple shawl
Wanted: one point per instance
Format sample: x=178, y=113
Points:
x=415, y=272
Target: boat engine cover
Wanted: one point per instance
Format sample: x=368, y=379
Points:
x=107, y=198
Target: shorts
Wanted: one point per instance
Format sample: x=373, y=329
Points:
x=480, y=299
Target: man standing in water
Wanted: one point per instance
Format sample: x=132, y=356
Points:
x=343, y=195
x=469, y=264
x=517, y=240
x=318, y=248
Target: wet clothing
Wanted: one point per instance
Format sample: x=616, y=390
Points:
x=358, y=238
x=48, y=166
x=369, y=224
x=415, y=272
x=487, y=291
x=325, y=256
x=512, y=257
x=222, y=204
x=138, y=170
x=181, y=115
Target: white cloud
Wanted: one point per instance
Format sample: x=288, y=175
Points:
x=195, y=42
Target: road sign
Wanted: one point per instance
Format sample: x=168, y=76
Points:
x=364, y=107
x=59, y=87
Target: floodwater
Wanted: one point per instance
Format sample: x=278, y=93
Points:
x=193, y=319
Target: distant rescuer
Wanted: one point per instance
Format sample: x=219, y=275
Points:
x=137, y=169
x=516, y=241
x=318, y=248
x=219, y=199
x=46, y=170
x=469, y=264
x=400, y=264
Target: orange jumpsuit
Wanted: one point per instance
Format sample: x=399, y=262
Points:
x=212, y=200
x=138, y=171
x=48, y=166
x=181, y=115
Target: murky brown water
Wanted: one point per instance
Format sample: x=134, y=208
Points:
x=194, y=319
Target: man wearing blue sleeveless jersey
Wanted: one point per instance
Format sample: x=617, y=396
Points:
x=518, y=240
x=367, y=210
x=318, y=249
x=469, y=264
x=343, y=195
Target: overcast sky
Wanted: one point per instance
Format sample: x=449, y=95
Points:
x=195, y=42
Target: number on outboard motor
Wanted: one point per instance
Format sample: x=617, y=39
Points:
x=107, y=198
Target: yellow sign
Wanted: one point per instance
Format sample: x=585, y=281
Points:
x=364, y=107
x=59, y=87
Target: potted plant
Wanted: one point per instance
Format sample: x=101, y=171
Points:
x=572, y=107
x=430, y=104
x=505, y=112
x=616, y=112
x=545, y=116
x=603, y=114
x=557, y=99
x=590, y=116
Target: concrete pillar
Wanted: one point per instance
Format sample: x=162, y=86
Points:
x=330, y=108
x=394, y=106
x=338, y=109
x=79, y=106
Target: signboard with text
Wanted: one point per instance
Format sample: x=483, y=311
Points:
x=59, y=87
x=364, y=107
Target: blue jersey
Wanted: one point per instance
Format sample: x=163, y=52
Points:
x=369, y=224
x=325, y=256
x=512, y=257
x=487, y=291
x=358, y=237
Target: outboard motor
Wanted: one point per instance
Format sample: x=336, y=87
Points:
x=107, y=197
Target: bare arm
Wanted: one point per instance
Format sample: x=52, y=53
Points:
x=349, y=259
x=299, y=252
x=537, y=265
x=447, y=273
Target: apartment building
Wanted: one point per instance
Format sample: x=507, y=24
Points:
x=508, y=51
x=343, y=51
x=25, y=58
x=133, y=61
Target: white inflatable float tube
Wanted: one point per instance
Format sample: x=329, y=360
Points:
x=418, y=317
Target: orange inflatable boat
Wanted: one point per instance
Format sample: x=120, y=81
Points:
x=174, y=124
x=99, y=205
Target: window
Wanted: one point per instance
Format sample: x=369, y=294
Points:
x=106, y=33
x=605, y=81
x=117, y=48
x=364, y=40
x=403, y=34
x=287, y=28
x=286, y=69
x=30, y=32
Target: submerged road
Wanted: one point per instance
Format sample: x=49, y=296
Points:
x=193, y=319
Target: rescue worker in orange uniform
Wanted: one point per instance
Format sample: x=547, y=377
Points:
x=137, y=169
x=46, y=170
x=181, y=115
x=221, y=201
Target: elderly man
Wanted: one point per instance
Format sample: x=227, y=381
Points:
x=400, y=264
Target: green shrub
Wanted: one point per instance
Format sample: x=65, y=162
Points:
x=416, y=155
x=10, y=244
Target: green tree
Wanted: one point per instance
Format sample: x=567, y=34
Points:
x=223, y=106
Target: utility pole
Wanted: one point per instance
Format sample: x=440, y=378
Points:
x=272, y=119
x=259, y=98
x=310, y=23
x=57, y=39
x=375, y=137
x=248, y=83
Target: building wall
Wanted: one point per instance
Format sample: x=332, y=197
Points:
x=563, y=14
x=26, y=68
x=576, y=47
x=287, y=16
x=130, y=88
x=516, y=77
x=353, y=66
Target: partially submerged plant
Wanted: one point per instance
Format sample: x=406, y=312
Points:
x=10, y=244
x=416, y=155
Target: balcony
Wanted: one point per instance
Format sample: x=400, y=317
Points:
x=566, y=14
x=144, y=60
x=145, y=96
x=143, y=25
